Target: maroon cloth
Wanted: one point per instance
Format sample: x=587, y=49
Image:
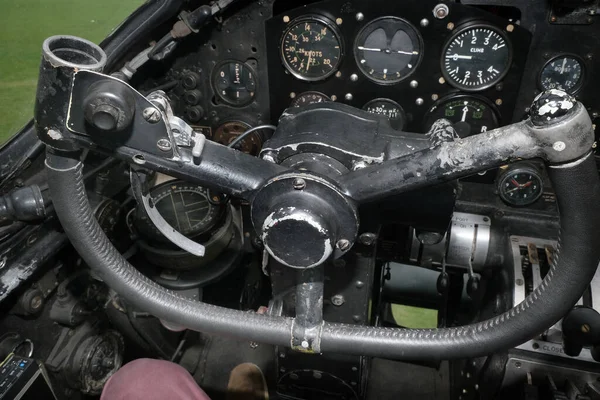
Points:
x=150, y=379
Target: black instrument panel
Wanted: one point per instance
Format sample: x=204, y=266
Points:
x=396, y=51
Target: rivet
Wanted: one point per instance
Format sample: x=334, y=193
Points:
x=286, y=19
x=348, y=96
x=353, y=77
x=424, y=22
x=419, y=101
x=360, y=16
x=414, y=84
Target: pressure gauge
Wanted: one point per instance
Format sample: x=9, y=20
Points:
x=564, y=72
x=308, y=98
x=469, y=114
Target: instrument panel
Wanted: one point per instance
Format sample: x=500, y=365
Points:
x=414, y=62
x=399, y=59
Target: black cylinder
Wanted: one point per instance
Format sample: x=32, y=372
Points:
x=62, y=57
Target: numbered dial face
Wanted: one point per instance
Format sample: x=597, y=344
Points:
x=186, y=207
x=563, y=73
x=520, y=186
x=235, y=83
x=388, y=50
x=390, y=109
x=311, y=49
x=307, y=98
x=469, y=115
x=476, y=58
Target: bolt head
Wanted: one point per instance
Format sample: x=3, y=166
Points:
x=441, y=11
x=151, y=115
x=353, y=77
x=338, y=300
x=299, y=183
x=367, y=238
x=163, y=144
x=424, y=22
x=360, y=16
x=419, y=101
x=348, y=96
x=414, y=84
x=343, y=244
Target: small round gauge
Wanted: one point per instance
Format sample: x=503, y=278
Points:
x=307, y=98
x=476, y=58
x=388, y=50
x=469, y=115
x=311, y=48
x=229, y=131
x=520, y=185
x=186, y=207
x=564, y=72
x=390, y=109
x=234, y=82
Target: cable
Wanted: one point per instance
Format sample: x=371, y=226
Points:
x=248, y=132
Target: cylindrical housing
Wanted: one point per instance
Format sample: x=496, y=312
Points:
x=62, y=57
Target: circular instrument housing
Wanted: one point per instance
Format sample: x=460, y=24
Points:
x=308, y=98
x=469, y=114
x=311, y=48
x=388, y=50
x=234, y=82
x=564, y=72
x=476, y=57
x=520, y=185
x=390, y=109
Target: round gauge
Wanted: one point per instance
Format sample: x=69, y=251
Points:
x=564, y=73
x=390, y=109
x=229, y=131
x=520, y=185
x=388, y=50
x=469, y=115
x=311, y=48
x=307, y=98
x=234, y=82
x=188, y=208
x=476, y=58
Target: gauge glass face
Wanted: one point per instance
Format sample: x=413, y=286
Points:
x=563, y=73
x=469, y=115
x=388, y=50
x=235, y=83
x=476, y=58
x=307, y=98
x=521, y=187
x=390, y=109
x=186, y=207
x=311, y=49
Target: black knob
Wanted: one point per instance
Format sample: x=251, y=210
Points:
x=190, y=80
x=109, y=106
x=192, y=97
x=550, y=106
x=195, y=113
x=581, y=327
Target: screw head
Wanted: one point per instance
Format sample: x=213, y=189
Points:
x=360, y=16
x=414, y=84
x=424, y=22
x=338, y=300
x=163, y=144
x=299, y=183
x=343, y=244
x=151, y=115
x=360, y=284
x=304, y=344
x=353, y=77
x=367, y=238
x=348, y=96
x=419, y=101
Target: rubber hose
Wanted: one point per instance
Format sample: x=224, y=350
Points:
x=577, y=186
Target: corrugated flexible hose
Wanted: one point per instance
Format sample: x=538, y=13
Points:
x=577, y=187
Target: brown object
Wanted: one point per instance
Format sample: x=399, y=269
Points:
x=247, y=382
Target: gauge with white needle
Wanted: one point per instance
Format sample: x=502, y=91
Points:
x=469, y=114
x=565, y=72
x=388, y=50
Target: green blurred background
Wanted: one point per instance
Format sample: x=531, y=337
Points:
x=24, y=24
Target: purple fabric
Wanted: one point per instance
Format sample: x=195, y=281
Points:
x=150, y=379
